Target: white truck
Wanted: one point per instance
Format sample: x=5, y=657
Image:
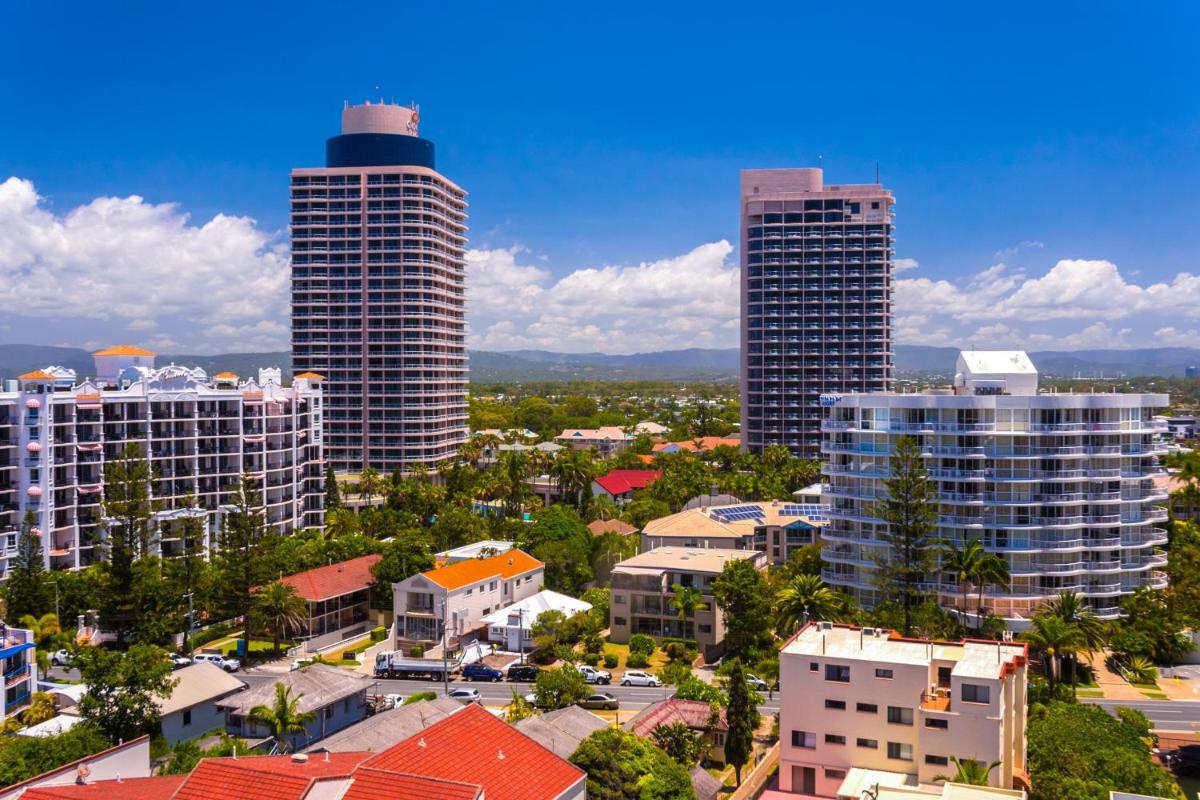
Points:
x=394, y=664
x=593, y=675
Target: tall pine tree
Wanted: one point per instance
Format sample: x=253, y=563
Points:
x=128, y=535
x=742, y=718
x=333, y=494
x=242, y=561
x=26, y=591
x=910, y=512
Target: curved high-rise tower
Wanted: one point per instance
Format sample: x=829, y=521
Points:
x=378, y=293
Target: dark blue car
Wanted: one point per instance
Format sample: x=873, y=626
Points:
x=481, y=672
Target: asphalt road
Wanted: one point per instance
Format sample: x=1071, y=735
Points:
x=500, y=694
x=1167, y=714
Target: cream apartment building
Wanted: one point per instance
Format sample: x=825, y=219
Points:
x=775, y=527
x=862, y=706
x=462, y=593
x=643, y=588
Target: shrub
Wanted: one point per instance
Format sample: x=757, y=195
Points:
x=218, y=631
x=675, y=672
x=418, y=697
x=690, y=644
x=675, y=651
x=379, y=634
x=564, y=652
x=416, y=651
x=591, y=659
x=641, y=643
x=637, y=661
x=610, y=661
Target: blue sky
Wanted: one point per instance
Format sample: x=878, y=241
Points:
x=600, y=149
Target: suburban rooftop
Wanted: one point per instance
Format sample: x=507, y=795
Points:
x=973, y=658
x=690, y=559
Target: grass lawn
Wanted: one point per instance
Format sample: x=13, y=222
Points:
x=1090, y=692
x=1155, y=695
x=658, y=658
x=1151, y=687
x=259, y=648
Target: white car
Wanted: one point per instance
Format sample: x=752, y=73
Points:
x=224, y=662
x=635, y=677
x=593, y=675
x=466, y=696
x=179, y=661
x=756, y=683
x=61, y=658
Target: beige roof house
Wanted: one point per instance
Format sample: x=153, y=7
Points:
x=320, y=685
x=562, y=730
x=378, y=733
x=196, y=684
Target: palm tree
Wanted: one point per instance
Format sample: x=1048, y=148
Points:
x=368, y=483
x=1072, y=608
x=47, y=633
x=964, y=563
x=687, y=602
x=802, y=598
x=573, y=471
x=341, y=522
x=1141, y=670
x=992, y=569
x=283, y=718
x=1055, y=639
x=280, y=610
x=969, y=771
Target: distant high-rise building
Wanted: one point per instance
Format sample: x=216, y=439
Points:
x=378, y=293
x=816, y=301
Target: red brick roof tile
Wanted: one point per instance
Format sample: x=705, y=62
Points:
x=333, y=580
x=374, y=784
x=693, y=713
x=159, y=787
x=473, y=746
x=264, y=777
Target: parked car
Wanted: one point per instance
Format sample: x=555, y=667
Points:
x=602, y=701
x=179, y=661
x=227, y=663
x=481, y=672
x=635, y=677
x=593, y=675
x=466, y=696
x=523, y=673
x=756, y=683
x=61, y=658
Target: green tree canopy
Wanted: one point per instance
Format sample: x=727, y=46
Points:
x=123, y=688
x=742, y=593
x=559, y=688
x=621, y=766
x=26, y=591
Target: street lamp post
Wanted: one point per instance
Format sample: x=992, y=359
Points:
x=445, y=669
x=187, y=632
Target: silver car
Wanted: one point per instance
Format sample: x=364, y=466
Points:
x=635, y=677
x=466, y=696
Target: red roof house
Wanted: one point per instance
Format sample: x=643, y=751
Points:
x=339, y=600
x=620, y=484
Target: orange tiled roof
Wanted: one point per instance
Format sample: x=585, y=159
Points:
x=312, y=376
x=705, y=443
x=124, y=350
x=159, y=787
x=334, y=580
x=226, y=376
x=474, y=570
x=472, y=746
x=374, y=784
x=264, y=777
x=37, y=375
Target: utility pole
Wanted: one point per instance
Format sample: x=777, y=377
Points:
x=187, y=632
x=521, y=633
x=445, y=669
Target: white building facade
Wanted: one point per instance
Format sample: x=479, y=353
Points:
x=1060, y=485
x=200, y=435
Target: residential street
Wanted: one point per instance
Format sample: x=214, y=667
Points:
x=1167, y=714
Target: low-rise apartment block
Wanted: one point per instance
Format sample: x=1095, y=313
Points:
x=774, y=527
x=858, y=700
x=607, y=440
x=643, y=590
x=463, y=594
x=201, y=436
x=18, y=662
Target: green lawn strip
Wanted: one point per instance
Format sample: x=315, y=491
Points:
x=1155, y=695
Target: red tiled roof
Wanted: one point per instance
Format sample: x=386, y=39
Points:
x=473, y=570
x=334, y=580
x=622, y=481
x=693, y=713
x=473, y=746
x=703, y=443
x=374, y=784
x=159, y=787
x=264, y=777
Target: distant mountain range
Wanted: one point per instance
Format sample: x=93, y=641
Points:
x=694, y=364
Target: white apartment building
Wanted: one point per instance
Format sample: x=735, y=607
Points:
x=862, y=706
x=200, y=435
x=608, y=440
x=1060, y=485
x=463, y=593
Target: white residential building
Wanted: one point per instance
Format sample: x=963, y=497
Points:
x=862, y=706
x=511, y=628
x=1060, y=485
x=463, y=593
x=774, y=527
x=201, y=435
x=18, y=665
x=607, y=440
